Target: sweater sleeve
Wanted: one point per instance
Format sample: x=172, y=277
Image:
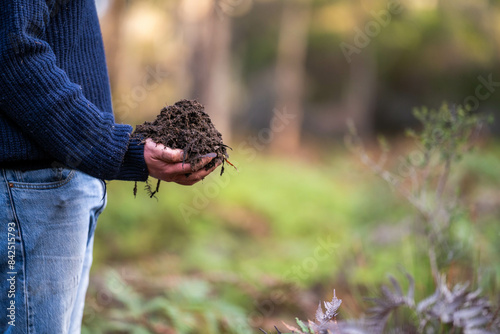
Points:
x=50, y=109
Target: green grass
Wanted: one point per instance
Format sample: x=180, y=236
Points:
x=268, y=223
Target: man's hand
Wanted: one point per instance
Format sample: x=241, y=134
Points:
x=166, y=164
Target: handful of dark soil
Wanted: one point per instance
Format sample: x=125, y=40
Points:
x=186, y=126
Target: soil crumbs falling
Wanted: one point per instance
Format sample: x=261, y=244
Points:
x=185, y=126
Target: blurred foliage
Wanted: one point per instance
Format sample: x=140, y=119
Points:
x=189, y=308
x=291, y=226
x=271, y=240
x=453, y=310
x=442, y=227
x=417, y=54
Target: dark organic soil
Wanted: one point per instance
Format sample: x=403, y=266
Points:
x=186, y=126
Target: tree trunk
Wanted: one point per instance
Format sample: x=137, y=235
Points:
x=217, y=91
x=111, y=26
x=208, y=39
x=290, y=74
x=359, y=96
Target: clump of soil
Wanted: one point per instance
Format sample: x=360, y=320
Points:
x=186, y=126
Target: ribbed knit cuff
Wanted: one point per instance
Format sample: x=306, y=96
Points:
x=134, y=166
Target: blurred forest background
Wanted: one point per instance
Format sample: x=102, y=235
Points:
x=302, y=215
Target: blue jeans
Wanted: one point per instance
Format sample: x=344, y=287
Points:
x=46, y=236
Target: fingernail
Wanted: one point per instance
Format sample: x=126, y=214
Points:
x=209, y=155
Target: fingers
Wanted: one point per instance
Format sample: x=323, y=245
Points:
x=161, y=152
x=183, y=174
x=183, y=169
x=167, y=164
x=203, y=161
x=190, y=179
x=170, y=155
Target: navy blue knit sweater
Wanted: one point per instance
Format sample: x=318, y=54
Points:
x=55, y=101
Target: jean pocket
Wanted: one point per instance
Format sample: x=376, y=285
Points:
x=47, y=178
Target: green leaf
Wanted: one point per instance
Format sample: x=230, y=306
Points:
x=303, y=327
